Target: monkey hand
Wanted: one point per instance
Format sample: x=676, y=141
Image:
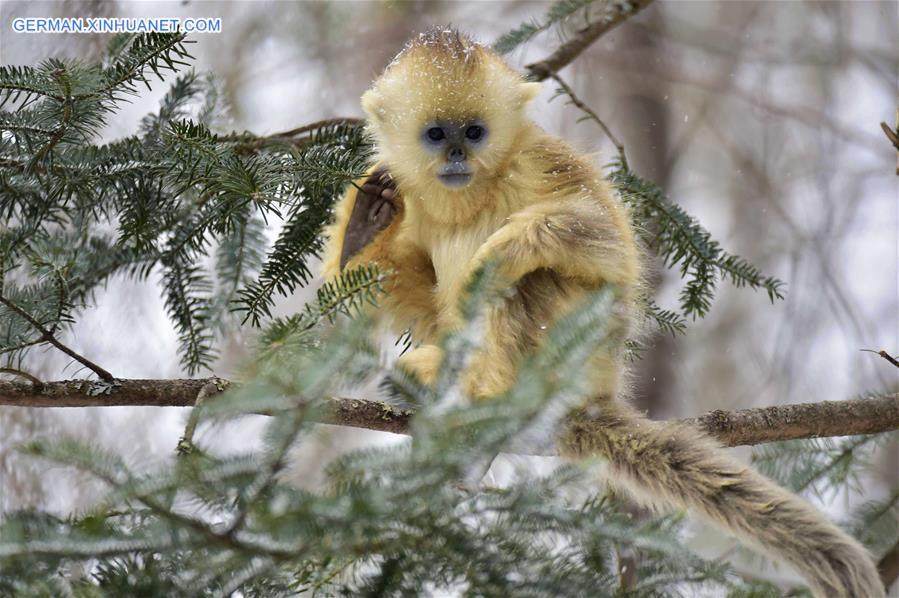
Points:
x=376, y=206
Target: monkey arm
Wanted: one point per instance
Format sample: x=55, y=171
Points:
x=367, y=229
x=368, y=207
x=549, y=253
x=581, y=238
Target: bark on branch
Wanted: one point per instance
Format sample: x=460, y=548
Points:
x=731, y=428
x=580, y=41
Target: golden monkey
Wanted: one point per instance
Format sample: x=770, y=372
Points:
x=464, y=176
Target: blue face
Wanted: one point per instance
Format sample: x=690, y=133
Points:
x=455, y=141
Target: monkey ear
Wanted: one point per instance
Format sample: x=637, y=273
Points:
x=529, y=91
x=371, y=104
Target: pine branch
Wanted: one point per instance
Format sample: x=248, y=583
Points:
x=680, y=240
x=48, y=336
x=334, y=156
x=665, y=319
x=615, y=14
x=296, y=137
x=732, y=428
x=590, y=114
x=188, y=303
x=557, y=14
x=892, y=360
x=153, y=51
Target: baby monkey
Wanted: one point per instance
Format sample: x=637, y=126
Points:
x=464, y=177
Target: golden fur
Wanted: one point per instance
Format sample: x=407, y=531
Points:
x=556, y=231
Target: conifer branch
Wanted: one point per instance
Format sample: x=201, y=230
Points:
x=592, y=116
x=48, y=336
x=35, y=381
x=732, y=428
x=892, y=360
x=298, y=136
x=615, y=14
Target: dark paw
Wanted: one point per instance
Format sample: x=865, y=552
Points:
x=375, y=208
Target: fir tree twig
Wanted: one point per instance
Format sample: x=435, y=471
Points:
x=563, y=55
x=299, y=135
x=48, y=336
x=883, y=354
x=35, y=381
x=593, y=116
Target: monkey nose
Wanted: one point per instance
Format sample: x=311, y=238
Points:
x=456, y=154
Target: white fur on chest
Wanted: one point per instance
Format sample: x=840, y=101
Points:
x=451, y=250
x=452, y=247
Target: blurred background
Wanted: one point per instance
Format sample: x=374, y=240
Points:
x=760, y=118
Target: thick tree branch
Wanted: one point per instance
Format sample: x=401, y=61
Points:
x=731, y=428
x=615, y=13
x=804, y=420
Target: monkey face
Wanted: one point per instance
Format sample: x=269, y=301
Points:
x=445, y=115
x=454, y=143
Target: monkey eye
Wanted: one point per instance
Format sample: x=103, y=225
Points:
x=474, y=132
x=436, y=134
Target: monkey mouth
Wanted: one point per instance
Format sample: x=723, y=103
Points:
x=459, y=179
x=455, y=175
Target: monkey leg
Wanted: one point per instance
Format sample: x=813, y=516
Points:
x=672, y=465
x=516, y=326
x=423, y=361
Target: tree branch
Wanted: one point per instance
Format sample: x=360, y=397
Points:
x=593, y=116
x=731, y=428
x=297, y=136
x=616, y=13
x=883, y=354
x=613, y=14
x=47, y=335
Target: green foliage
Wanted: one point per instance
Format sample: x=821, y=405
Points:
x=876, y=523
x=557, y=13
x=390, y=520
x=666, y=320
x=682, y=243
x=185, y=202
x=335, y=155
x=820, y=466
x=285, y=337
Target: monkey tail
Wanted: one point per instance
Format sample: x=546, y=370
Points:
x=676, y=466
